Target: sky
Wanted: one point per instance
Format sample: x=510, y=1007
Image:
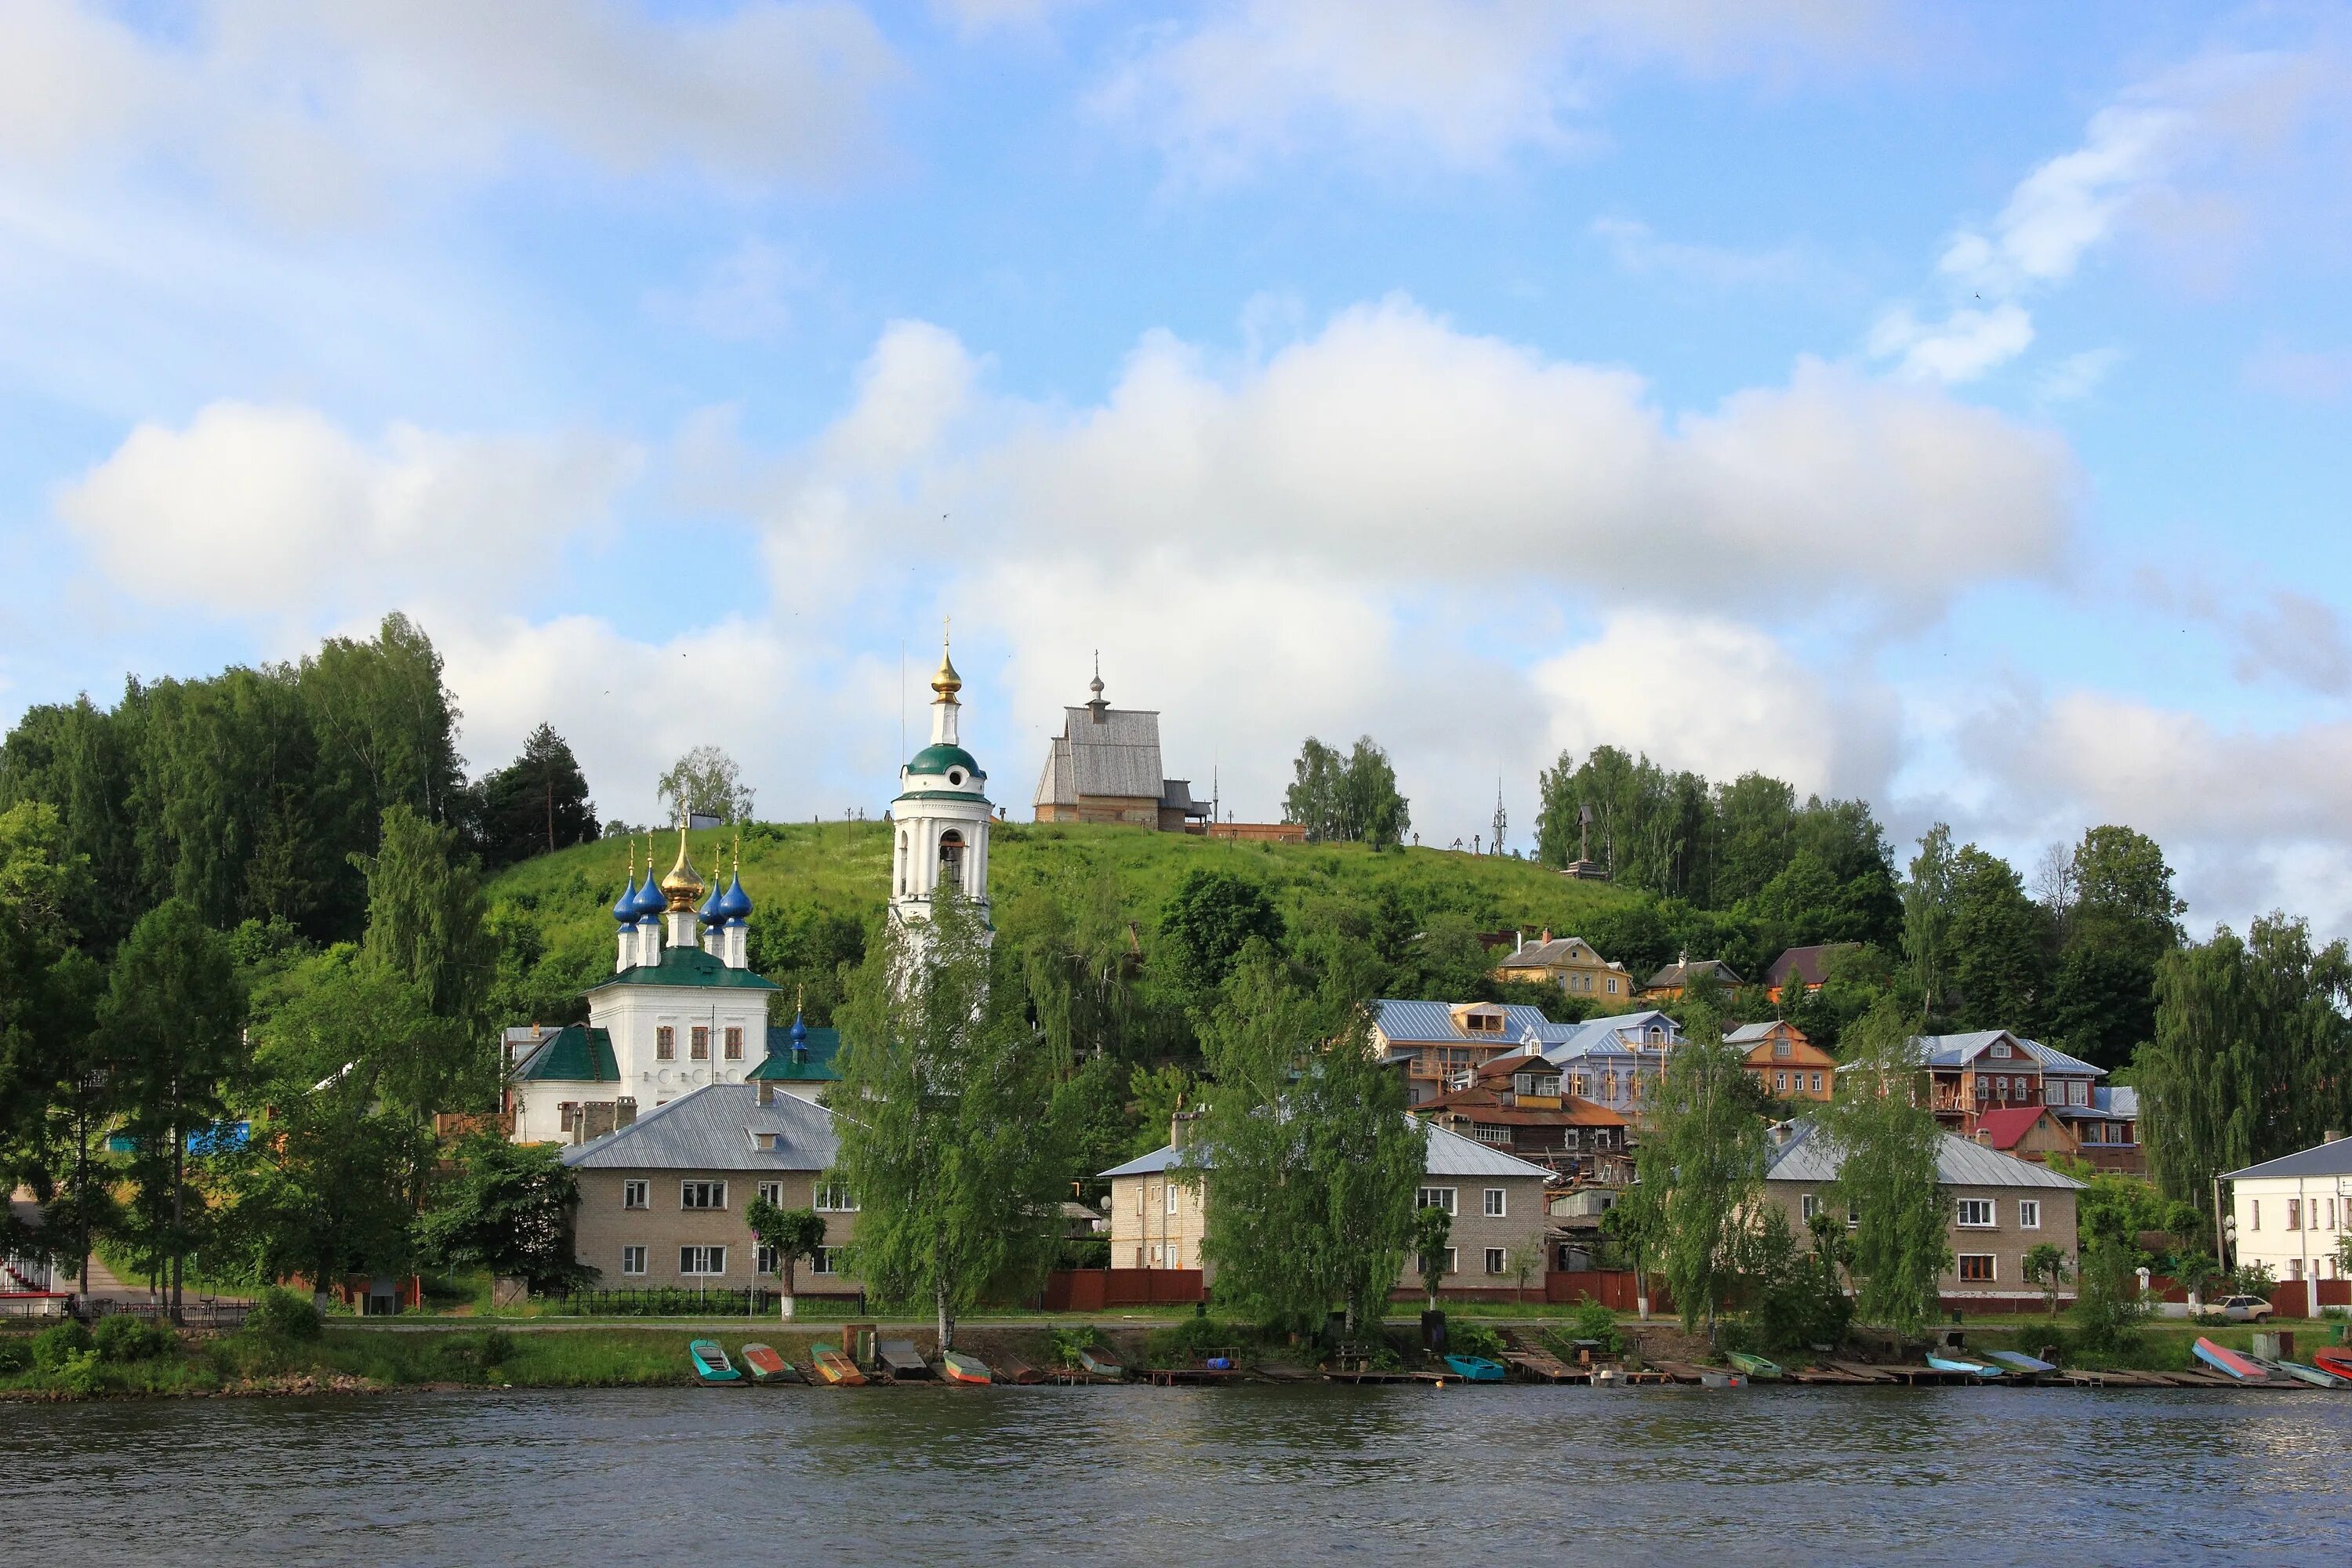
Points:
x=1948, y=406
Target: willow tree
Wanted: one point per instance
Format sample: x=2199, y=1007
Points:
x=1884, y=1134
x=1702, y=1160
x=1308, y=1156
x=959, y=1177
x=2252, y=1054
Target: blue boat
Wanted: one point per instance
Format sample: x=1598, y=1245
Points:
x=2235, y=1363
x=1475, y=1368
x=1955, y=1363
x=710, y=1363
x=2018, y=1360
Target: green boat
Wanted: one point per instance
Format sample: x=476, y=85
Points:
x=1100, y=1364
x=710, y=1363
x=1755, y=1366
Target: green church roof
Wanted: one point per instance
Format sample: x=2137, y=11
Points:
x=689, y=966
x=573, y=1054
x=779, y=1067
x=940, y=759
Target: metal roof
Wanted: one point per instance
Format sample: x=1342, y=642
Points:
x=1420, y=1021
x=1808, y=1156
x=1606, y=1037
x=718, y=1127
x=1810, y=962
x=778, y=1066
x=1959, y=1050
x=688, y=966
x=1450, y=1154
x=1559, y=951
x=2319, y=1159
x=573, y=1054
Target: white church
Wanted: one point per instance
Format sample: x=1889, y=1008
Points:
x=683, y=1009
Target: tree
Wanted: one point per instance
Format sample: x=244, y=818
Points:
x=424, y=914
x=2121, y=919
x=1433, y=1232
x=1370, y=810
x=2045, y=1264
x=322, y=1187
x=706, y=781
x=1635, y=1223
x=49, y=1052
x=1209, y=917
x=1886, y=1142
x=1997, y=947
x=1928, y=914
x=1313, y=799
x=508, y=1210
x=2252, y=1055
x=958, y=1184
x=1702, y=1159
x=790, y=1234
x=175, y=1014
x=2107, y=1303
x=535, y=805
x=1309, y=1158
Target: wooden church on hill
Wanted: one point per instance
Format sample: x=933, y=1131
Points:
x=1105, y=766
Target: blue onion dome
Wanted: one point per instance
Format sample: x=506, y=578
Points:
x=735, y=904
x=650, y=902
x=625, y=908
x=709, y=912
x=799, y=1038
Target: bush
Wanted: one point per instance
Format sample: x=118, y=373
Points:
x=1590, y=1320
x=79, y=1374
x=16, y=1354
x=2108, y=1309
x=475, y=1354
x=1474, y=1339
x=280, y=1314
x=53, y=1345
x=123, y=1338
x=1180, y=1344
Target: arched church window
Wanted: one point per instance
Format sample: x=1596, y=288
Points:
x=902, y=865
x=951, y=860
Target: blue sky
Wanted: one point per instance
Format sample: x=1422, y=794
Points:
x=1947, y=406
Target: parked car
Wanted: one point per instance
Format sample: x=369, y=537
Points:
x=2243, y=1309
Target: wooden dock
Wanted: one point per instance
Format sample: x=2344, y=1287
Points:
x=1537, y=1366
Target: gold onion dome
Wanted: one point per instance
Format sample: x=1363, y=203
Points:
x=683, y=885
x=947, y=682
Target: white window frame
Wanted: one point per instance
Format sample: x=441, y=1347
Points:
x=834, y=1196
x=698, y=1262
x=635, y=1255
x=636, y=1193
x=764, y=1261
x=1172, y=1189
x=1984, y=1205
x=2029, y=1214
x=1807, y=1206
x=1447, y=1198
x=716, y=1190
x=1499, y=1203
x=773, y=1192
x=1496, y=1262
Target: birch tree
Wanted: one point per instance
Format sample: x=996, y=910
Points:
x=1883, y=1133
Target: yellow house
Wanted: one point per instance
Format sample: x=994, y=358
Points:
x=1785, y=1065
x=1570, y=963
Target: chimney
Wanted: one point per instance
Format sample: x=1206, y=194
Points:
x=1180, y=1126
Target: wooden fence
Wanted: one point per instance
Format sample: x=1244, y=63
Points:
x=1615, y=1289
x=2292, y=1297
x=1092, y=1289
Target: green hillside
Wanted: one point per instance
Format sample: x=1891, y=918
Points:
x=552, y=910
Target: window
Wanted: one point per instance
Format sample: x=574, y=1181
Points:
x=833, y=1197
x=1172, y=1191
x=1817, y=1083
x=2294, y=1267
x=902, y=865
x=702, y=1194
x=2029, y=1214
x=1782, y=1048
x=773, y=1192
x=634, y=1197
x=2257, y=1205
x=1496, y=1201
x=1976, y=1268
x=1779, y=1083
x=665, y=1044
x=734, y=1042
x=1437, y=1198
x=1138, y=1199
x=2294, y=1214
x=633, y=1261
x=1175, y=1255
x=699, y=1044
x=1499, y=1136
x=1975, y=1214
x=2079, y=1092
x=701, y=1260
x=1807, y=1206
x=767, y=1262
x=1494, y=1260
x=1580, y=1085
x=1612, y=987
x=951, y=860
x=1453, y=1261
x=2000, y=1049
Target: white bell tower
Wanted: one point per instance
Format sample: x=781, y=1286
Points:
x=940, y=817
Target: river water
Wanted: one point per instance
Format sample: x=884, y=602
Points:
x=1498, y=1477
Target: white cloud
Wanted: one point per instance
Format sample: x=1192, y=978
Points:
x=2076, y=376
x=305, y=109
x=1638, y=249
x=2137, y=163
x=252, y=510
x=745, y=296
x=1460, y=82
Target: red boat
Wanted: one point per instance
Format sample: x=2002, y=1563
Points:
x=2337, y=1359
x=2236, y=1363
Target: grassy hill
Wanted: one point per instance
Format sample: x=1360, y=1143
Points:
x=553, y=908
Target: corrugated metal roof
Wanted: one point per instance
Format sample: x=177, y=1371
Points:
x=1422, y=1021
x=1808, y=1157
x=778, y=1066
x=573, y=1054
x=1450, y=1154
x=717, y=1128
x=1959, y=1050
x=2319, y=1159
x=1609, y=1036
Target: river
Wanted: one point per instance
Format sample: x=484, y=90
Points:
x=1497, y=1476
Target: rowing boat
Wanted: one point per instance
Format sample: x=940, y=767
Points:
x=1959, y=1363
x=2313, y=1376
x=957, y=1367
x=766, y=1365
x=1475, y=1368
x=2018, y=1360
x=711, y=1363
x=2237, y=1364
x=1099, y=1363
x=834, y=1368
x=1755, y=1366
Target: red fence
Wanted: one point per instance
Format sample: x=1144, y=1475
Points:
x=2292, y=1298
x=1092, y=1289
x=1615, y=1289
